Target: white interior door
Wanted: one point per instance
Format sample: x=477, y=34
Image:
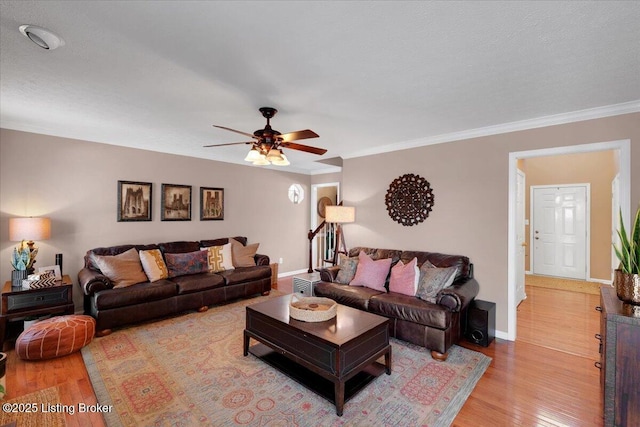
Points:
x=560, y=231
x=520, y=236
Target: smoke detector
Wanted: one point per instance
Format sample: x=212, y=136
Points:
x=41, y=36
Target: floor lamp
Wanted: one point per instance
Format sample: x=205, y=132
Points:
x=339, y=215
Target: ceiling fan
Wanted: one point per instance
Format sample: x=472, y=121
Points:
x=267, y=143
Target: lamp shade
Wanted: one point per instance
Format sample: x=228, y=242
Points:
x=340, y=214
x=29, y=229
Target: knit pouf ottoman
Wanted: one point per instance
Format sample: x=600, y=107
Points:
x=54, y=337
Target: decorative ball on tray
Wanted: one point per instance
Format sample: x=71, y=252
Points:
x=312, y=309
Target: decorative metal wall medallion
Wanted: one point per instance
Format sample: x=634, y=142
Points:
x=409, y=199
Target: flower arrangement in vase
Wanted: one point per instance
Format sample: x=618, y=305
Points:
x=627, y=276
x=21, y=261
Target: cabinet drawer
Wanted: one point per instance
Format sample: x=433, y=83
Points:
x=43, y=298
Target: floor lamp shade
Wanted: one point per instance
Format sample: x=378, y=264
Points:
x=340, y=214
x=29, y=229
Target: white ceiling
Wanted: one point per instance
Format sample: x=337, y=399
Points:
x=366, y=76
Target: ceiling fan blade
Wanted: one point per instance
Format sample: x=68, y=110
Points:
x=229, y=143
x=305, y=148
x=300, y=134
x=236, y=131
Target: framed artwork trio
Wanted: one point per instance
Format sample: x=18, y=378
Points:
x=135, y=202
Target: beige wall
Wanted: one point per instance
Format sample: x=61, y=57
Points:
x=470, y=183
x=74, y=183
x=598, y=169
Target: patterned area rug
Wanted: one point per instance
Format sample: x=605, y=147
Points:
x=189, y=370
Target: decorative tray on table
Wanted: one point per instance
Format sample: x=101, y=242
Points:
x=312, y=309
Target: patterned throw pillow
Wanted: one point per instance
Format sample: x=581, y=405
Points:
x=187, y=263
x=433, y=280
x=405, y=277
x=347, y=269
x=123, y=270
x=370, y=273
x=243, y=256
x=153, y=265
x=219, y=258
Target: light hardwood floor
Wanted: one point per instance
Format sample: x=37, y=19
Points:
x=545, y=378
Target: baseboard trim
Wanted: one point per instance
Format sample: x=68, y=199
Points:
x=292, y=273
x=601, y=281
x=502, y=335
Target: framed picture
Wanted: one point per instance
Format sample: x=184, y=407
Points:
x=55, y=269
x=134, y=201
x=211, y=204
x=176, y=202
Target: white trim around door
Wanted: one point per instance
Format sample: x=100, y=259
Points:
x=623, y=147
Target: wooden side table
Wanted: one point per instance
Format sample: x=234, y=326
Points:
x=19, y=303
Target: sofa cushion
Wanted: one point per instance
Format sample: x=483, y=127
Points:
x=246, y=274
x=347, y=270
x=123, y=270
x=153, y=265
x=377, y=253
x=353, y=296
x=243, y=256
x=198, y=282
x=433, y=280
x=371, y=273
x=222, y=241
x=89, y=261
x=219, y=258
x=405, y=277
x=135, y=294
x=179, y=247
x=411, y=309
x=442, y=260
x=180, y=264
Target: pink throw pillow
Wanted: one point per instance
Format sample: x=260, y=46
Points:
x=370, y=273
x=405, y=277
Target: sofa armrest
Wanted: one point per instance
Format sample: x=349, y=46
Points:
x=458, y=296
x=261, y=259
x=92, y=281
x=328, y=274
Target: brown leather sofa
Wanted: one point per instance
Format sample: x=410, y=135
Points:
x=433, y=326
x=145, y=301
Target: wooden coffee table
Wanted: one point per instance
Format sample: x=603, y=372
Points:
x=335, y=358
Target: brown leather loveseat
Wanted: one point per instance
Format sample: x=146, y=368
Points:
x=435, y=326
x=114, y=307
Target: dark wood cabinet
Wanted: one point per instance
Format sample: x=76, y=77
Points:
x=619, y=359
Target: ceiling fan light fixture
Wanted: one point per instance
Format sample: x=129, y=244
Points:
x=41, y=36
x=261, y=161
x=274, y=155
x=253, y=155
x=283, y=162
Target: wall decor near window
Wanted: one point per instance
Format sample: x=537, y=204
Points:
x=211, y=204
x=134, y=201
x=409, y=199
x=176, y=202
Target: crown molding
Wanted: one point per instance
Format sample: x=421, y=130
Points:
x=540, y=122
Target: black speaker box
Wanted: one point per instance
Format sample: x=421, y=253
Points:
x=481, y=322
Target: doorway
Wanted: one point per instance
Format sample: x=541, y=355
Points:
x=322, y=246
x=622, y=149
x=560, y=231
